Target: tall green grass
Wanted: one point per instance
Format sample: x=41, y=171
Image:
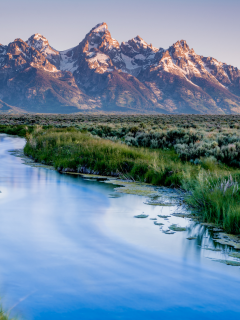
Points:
x=19, y=130
x=216, y=197
x=4, y=315
x=210, y=188
x=69, y=148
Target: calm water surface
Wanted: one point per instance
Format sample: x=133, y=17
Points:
x=68, y=250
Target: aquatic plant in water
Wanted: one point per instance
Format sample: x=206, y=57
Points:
x=175, y=227
x=141, y=216
x=229, y=262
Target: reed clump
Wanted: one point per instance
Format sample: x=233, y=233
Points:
x=216, y=197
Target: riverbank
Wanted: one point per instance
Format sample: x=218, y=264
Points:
x=158, y=197
x=210, y=188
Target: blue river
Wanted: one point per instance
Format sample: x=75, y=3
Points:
x=71, y=250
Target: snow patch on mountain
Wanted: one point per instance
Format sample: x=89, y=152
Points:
x=54, y=69
x=191, y=68
x=100, y=58
x=191, y=82
x=67, y=63
x=140, y=57
x=168, y=65
x=128, y=62
x=208, y=69
x=134, y=55
x=100, y=62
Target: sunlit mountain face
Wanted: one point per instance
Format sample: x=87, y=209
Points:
x=100, y=74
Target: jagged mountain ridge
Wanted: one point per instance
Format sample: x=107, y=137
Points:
x=99, y=74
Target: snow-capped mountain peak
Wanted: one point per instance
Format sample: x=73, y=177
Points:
x=100, y=28
x=100, y=38
x=38, y=36
x=98, y=48
x=133, y=75
x=139, y=44
x=40, y=43
x=135, y=55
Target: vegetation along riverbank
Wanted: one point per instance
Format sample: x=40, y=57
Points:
x=4, y=315
x=198, y=154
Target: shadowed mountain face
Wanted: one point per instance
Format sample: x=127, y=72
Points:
x=6, y=108
x=100, y=74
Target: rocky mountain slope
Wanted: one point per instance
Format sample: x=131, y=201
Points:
x=99, y=74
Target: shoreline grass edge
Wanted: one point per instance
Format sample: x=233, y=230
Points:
x=212, y=190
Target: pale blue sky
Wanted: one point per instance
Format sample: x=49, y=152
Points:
x=211, y=27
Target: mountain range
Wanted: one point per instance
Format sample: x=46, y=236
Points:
x=102, y=75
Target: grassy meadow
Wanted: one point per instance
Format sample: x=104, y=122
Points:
x=197, y=154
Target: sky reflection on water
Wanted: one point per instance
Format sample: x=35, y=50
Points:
x=68, y=250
